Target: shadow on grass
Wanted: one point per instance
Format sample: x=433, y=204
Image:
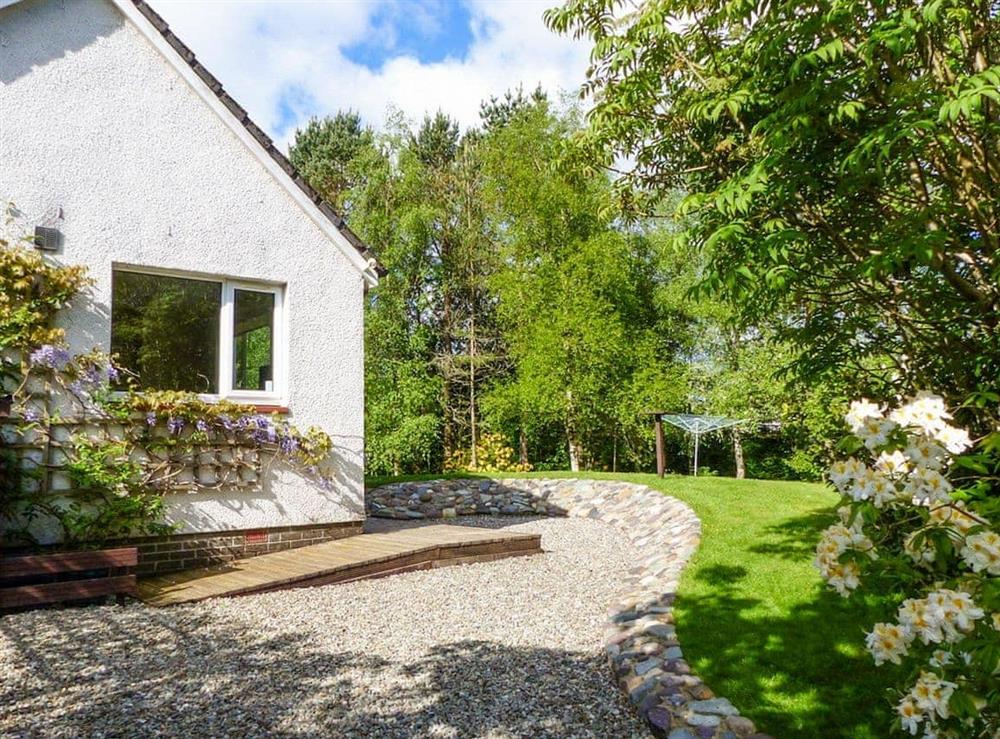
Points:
x=143, y=672
x=798, y=671
x=795, y=538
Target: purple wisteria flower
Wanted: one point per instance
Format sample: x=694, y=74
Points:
x=244, y=422
x=50, y=355
x=31, y=415
x=112, y=373
x=201, y=425
x=288, y=444
x=264, y=436
x=151, y=419
x=262, y=429
x=227, y=422
x=174, y=425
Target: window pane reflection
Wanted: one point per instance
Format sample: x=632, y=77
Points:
x=166, y=329
x=253, y=341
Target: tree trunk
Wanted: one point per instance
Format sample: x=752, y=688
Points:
x=574, y=453
x=474, y=456
x=522, y=456
x=572, y=442
x=445, y=367
x=741, y=471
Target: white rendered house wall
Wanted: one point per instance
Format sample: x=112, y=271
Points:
x=97, y=125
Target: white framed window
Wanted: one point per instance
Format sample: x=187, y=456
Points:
x=217, y=337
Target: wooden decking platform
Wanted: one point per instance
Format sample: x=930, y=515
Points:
x=344, y=560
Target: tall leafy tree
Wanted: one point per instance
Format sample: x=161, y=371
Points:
x=324, y=150
x=574, y=293
x=515, y=300
x=436, y=141
x=431, y=339
x=402, y=389
x=843, y=165
x=498, y=111
x=737, y=369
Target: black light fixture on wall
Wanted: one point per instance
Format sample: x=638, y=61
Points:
x=47, y=238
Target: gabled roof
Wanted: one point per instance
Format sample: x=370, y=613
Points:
x=184, y=60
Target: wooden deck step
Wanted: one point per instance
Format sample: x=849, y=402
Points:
x=42, y=579
x=343, y=560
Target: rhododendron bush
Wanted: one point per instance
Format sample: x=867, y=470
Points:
x=920, y=518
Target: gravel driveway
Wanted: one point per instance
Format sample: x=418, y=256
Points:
x=503, y=649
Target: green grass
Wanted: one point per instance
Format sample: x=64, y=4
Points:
x=754, y=619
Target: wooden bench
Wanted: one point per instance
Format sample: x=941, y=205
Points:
x=55, y=570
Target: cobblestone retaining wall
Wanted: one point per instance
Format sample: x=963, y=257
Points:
x=641, y=640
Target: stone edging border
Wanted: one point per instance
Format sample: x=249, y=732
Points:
x=641, y=641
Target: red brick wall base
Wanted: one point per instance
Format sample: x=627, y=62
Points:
x=183, y=551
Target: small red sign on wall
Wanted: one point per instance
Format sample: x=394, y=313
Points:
x=255, y=537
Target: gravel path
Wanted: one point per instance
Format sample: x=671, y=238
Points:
x=503, y=649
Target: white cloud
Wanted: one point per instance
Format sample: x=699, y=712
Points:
x=263, y=49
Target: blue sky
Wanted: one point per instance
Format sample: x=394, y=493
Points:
x=286, y=60
x=427, y=31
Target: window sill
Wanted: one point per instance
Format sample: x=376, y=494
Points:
x=259, y=407
x=264, y=408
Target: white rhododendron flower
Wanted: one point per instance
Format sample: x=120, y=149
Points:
x=837, y=539
x=927, y=487
x=862, y=489
x=955, y=440
x=982, y=552
x=860, y=412
x=943, y=616
x=922, y=553
x=932, y=694
x=844, y=577
x=893, y=464
x=888, y=643
x=863, y=482
x=842, y=473
x=844, y=514
x=874, y=432
x=926, y=452
x=915, y=615
x=910, y=715
x=953, y=515
x=925, y=411
x=883, y=491
x=955, y=612
x=940, y=658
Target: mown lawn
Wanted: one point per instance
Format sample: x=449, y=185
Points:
x=756, y=622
